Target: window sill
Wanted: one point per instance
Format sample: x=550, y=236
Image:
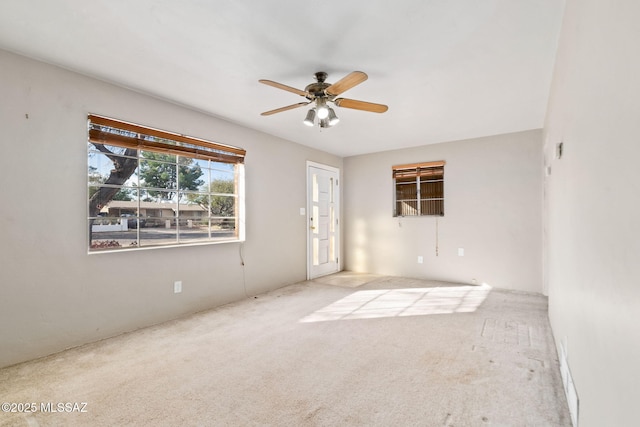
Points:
x=146, y=248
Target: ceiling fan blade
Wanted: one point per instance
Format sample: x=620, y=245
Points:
x=283, y=87
x=288, y=107
x=360, y=105
x=346, y=83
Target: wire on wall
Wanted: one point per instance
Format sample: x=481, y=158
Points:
x=436, y=236
x=244, y=279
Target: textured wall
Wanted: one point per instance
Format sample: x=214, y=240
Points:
x=53, y=295
x=493, y=205
x=592, y=206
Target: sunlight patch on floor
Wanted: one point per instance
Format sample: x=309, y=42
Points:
x=372, y=304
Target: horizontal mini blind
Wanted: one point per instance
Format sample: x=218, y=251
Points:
x=104, y=130
x=419, y=189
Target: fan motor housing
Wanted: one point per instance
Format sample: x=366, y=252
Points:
x=317, y=90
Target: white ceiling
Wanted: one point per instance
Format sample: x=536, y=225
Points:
x=447, y=69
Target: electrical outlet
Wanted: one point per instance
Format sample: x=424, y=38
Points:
x=420, y=259
x=460, y=251
x=177, y=287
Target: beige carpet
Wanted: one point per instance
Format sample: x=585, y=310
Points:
x=344, y=350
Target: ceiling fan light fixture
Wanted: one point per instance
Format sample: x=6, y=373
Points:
x=311, y=117
x=333, y=119
x=321, y=94
x=323, y=110
x=323, y=113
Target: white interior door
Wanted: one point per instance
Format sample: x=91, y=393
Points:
x=324, y=223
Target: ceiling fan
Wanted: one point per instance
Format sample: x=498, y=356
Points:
x=320, y=94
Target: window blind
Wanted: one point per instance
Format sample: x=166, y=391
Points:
x=419, y=189
x=104, y=130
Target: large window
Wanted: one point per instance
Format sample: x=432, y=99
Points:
x=419, y=189
x=154, y=188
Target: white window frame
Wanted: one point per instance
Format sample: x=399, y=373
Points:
x=421, y=173
x=135, y=139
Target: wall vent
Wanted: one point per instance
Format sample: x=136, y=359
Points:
x=569, y=386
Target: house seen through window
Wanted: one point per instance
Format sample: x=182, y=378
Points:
x=149, y=188
x=419, y=189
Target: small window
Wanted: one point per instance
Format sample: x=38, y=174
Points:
x=149, y=188
x=419, y=189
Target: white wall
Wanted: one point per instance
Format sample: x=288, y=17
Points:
x=592, y=207
x=493, y=206
x=53, y=295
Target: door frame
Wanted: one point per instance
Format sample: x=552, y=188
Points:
x=338, y=234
